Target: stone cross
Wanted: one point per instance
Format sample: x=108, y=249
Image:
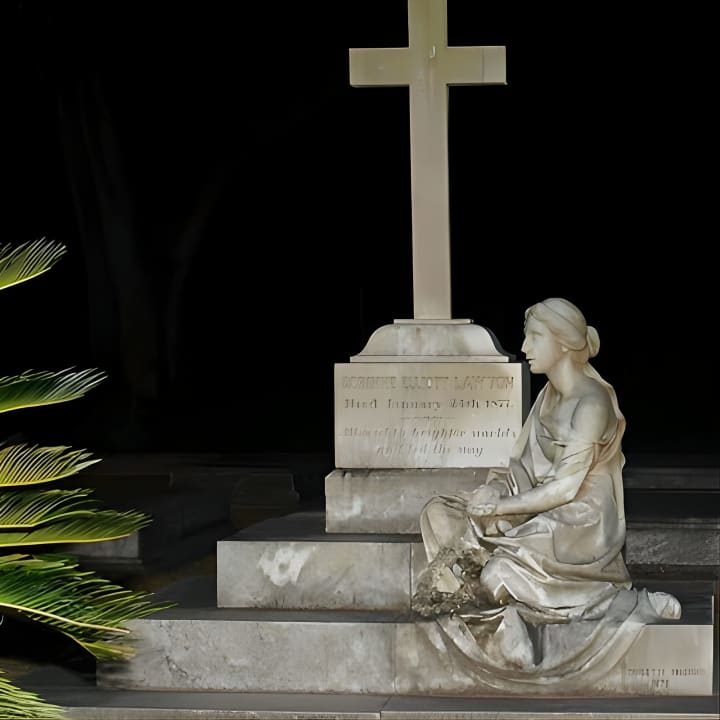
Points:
x=428, y=66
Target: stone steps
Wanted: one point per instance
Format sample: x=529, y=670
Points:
x=291, y=651
x=293, y=563
x=299, y=614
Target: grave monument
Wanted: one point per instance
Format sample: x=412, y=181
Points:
x=430, y=403
x=320, y=604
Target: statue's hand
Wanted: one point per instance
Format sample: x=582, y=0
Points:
x=481, y=510
x=484, y=495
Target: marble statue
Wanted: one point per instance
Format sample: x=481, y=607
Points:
x=526, y=574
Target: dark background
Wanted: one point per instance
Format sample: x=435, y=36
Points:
x=238, y=217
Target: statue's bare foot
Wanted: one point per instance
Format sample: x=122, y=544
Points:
x=665, y=605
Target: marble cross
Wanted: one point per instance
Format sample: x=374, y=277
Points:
x=428, y=66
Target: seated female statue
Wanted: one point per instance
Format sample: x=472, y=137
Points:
x=540, y=544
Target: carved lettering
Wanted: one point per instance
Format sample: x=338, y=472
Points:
x=362, y=382
x=426, y=414
x=477, y=383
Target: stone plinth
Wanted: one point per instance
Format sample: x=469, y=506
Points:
x=389, y=501
x=326, y=652
x=98, y=704
x=292, y=563
x=685, y=542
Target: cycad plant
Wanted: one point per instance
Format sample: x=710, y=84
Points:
x=51, y=588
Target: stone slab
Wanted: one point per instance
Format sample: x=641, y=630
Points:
x=428, y=415
x=679, y=543
x=293, y=563
x=326, y=652
x=389, y=501
x=97, y=704
x=92, y=703
x=592, y=708
x=259, y=651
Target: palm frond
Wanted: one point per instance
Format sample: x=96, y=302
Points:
x=28, y=260
x=28, y=510
x=32, y=464
x=87, y=608
x=17, y=704
x=79, y=527
x=34, y=388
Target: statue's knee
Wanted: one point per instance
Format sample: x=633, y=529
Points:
x=492, y=580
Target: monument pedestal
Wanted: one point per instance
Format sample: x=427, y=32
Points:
x=389, y=501
x=379, y=653
x=320, y=602
x=299, y=610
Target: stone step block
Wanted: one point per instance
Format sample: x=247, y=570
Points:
x=274, y=651
x=98, y=704
x=292, y=563
x=390, y=501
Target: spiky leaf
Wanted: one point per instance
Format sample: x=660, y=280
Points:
x=28, y=260
x=79, y=527
x=32, y=464
x=28, y=510
x=89, y=609
x=17, y=704
x=35, y=388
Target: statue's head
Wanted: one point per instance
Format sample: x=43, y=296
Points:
x=564, y=322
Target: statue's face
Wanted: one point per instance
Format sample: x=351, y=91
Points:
x=541, y=348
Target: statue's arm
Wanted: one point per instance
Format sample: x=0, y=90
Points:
x=589, y=425
x=495, y=486
x=559, y=491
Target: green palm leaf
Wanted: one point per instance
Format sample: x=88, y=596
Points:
x=32, y=388
x=87, y=608
x=79, y=527
x=17, y=704
x=28, y=510
x=31, y=464
x=28, y=260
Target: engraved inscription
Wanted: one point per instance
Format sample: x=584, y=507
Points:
x=401, y=415
x=661, y=678
x=670, y=660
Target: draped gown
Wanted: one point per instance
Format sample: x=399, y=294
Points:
x=542, y=598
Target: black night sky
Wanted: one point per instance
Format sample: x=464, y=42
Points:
x=238, y=217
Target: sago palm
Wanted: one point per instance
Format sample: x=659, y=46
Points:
x=51, y=588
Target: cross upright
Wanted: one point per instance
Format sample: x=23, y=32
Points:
x=428, y=66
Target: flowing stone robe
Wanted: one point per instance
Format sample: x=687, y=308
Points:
x=544, y=598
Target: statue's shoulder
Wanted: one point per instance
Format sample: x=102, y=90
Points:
x=594, y=416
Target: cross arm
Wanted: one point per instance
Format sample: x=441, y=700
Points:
x=380, y=66
x=474, y=65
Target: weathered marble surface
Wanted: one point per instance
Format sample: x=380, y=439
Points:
x=260, y=651
x=681, y=543
x=369, y=575
x=432, y=341
x=98, y=704
x=285, y=651
x=291, y=562
x=389, y=501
